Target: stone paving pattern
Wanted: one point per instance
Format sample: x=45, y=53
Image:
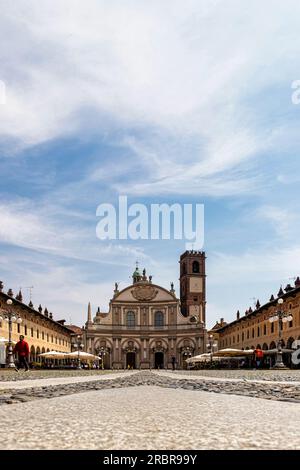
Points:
x=12, y=375
x=248, y=374
x=288, y=375
x=150, y=417
x=267, y=390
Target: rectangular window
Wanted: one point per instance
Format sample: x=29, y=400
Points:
x=272, y=327
x=25, y=330
x=291, y=323
x=32, y=332
x=18, y=327
x=43, y=335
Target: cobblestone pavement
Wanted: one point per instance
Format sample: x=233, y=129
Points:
x=12, y=375
x=150, y=418
x=44, y=382
x=183, y=375
x=284, y=375
x=280, y=391
x=288, y=375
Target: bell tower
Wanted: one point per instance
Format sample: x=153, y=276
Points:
x=193, y=284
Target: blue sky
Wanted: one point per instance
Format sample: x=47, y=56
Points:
x=170, y=101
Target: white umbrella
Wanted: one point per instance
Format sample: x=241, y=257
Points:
x=53, y=355
x=5, y=341
x=81, y=355
x=229, y=352
x=274, y=351
x=200, y=358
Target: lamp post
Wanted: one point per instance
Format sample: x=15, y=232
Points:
x=101, y=355
x=211, y=345
x=79, y=346
x=282, y=317
x=11, y=317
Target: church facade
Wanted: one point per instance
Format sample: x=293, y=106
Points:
x=147, y=326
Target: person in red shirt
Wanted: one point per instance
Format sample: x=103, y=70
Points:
x=259, y=354
x=22, y=349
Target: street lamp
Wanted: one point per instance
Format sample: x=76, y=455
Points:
x=78, y=345
x=281, y=317
x=11, y=317
x=101, y=355
x=211, y=345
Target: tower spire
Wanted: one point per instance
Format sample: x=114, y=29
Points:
x=89, y=318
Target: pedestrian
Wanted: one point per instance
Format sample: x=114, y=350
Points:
x=22, y=349
x=173, y=362
x=258, y=357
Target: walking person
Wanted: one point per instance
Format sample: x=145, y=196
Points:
x=258, y=357
x=173, y=362
x=22, y=349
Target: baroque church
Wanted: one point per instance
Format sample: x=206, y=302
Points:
x=147, y=326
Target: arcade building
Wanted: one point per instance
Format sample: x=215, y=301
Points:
x=147, y=326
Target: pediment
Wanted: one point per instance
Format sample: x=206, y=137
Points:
x=144, y=293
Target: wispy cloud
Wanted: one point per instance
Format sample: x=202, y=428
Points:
x=247, y=276
x=185, y=72
x=188, y=100
x=30, y=226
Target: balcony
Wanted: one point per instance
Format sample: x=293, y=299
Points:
x=188, y=326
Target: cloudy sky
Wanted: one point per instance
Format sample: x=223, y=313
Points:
x=174, y=101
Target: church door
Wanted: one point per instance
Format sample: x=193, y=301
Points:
x=130, y=360
x=159, y=360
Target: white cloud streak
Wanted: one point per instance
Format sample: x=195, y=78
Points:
x=184, y=71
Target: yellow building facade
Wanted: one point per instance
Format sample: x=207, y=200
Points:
x=254, y=330
x=40, y=330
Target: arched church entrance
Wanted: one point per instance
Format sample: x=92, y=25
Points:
x=159, y=360
x=130, y=360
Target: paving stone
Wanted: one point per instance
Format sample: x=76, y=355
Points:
x=109, y=419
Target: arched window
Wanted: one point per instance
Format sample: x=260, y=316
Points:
x=290, y=342
x=159, y=319
x=130, y=319
x=195, y=266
